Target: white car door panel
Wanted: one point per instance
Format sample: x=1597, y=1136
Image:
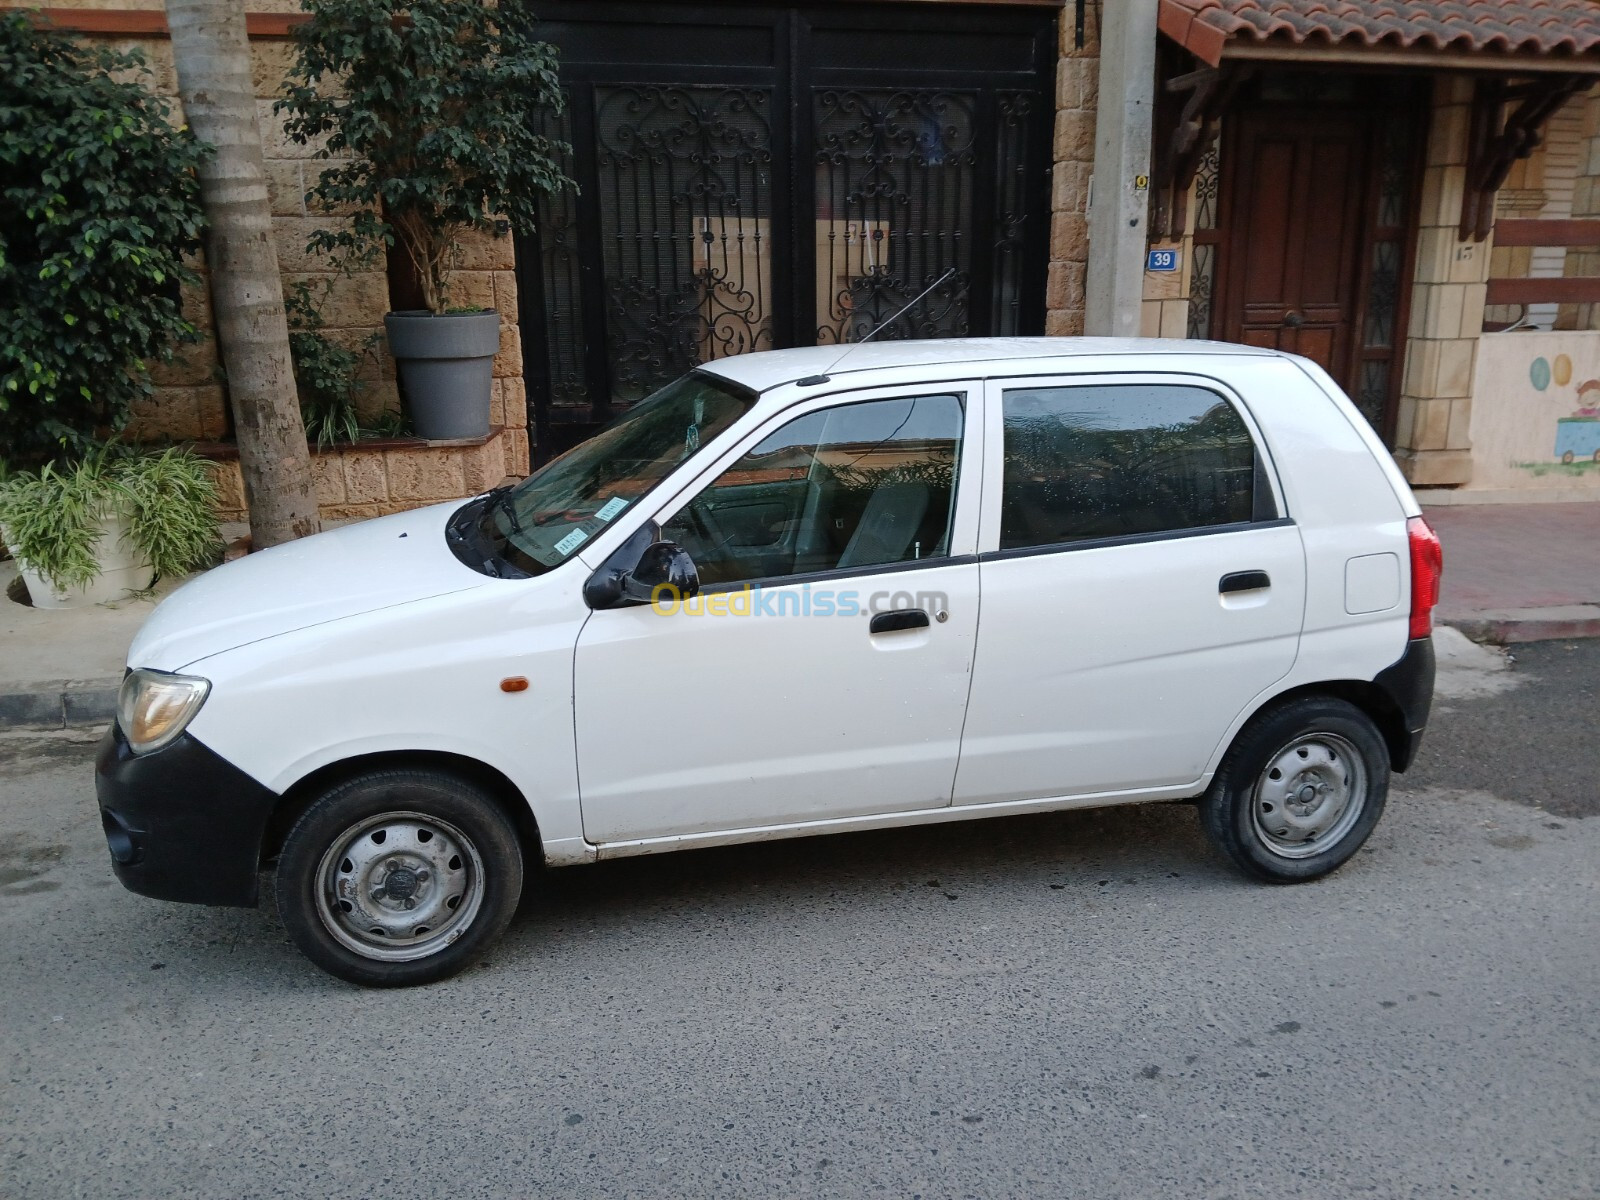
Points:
x=1117, y=662
x=1119, y=668
x=695, y=723
x=779, y=703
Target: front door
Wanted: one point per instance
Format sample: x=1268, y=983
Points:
x=823, y=671
x=1318, y=188
x=1297, y=233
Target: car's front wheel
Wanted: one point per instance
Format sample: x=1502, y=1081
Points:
x=399, y=877
x=1299, y=791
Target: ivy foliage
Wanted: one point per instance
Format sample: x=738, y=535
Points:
x=432, y=112
x=99, y=204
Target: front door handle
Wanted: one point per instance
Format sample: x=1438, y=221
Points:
x=901, y=618
x=1293, y=321
x=1244, y=581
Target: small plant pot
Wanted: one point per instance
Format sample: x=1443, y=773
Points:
x=122, y=570
x=446, y=367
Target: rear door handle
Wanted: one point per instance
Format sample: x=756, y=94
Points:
x=1244, y=581
x=901, y=618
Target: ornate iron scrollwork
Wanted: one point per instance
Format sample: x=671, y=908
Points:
x=685, y=197
x=896, y=171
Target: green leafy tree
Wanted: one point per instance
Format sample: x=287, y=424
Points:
x=438, y=104
x=98, y=207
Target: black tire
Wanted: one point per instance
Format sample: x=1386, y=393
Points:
x=1239, y=812
x=447, y=851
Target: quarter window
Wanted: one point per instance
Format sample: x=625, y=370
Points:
x=1092, y=462
x=859, y=485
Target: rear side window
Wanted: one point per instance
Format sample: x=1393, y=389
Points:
x=1093, y=462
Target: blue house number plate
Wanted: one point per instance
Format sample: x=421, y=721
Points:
x=1162, y=260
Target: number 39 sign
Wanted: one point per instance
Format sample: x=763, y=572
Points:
x=1162, y=260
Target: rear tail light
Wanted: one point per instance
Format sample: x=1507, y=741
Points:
x=1427, y=567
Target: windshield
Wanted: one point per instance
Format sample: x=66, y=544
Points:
x=547, y=518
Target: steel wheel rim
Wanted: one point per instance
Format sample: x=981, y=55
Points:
x=1309, y=796
x=399, y=886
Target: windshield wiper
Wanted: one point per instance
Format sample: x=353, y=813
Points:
x=468, y=534
x=499, y=500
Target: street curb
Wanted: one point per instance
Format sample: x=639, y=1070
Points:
x=1530, y=624
x=67, y=705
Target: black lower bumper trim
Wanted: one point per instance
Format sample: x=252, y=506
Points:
x=182, y=823
x=1409, y=685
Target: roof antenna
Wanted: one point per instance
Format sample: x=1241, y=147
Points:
x=813, y=380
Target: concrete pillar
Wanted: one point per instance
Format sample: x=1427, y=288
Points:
x=1117, y=221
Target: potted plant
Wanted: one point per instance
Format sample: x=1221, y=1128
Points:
x=432, y=110
x=108, y=524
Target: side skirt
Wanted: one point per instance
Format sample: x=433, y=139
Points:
x=930, y=816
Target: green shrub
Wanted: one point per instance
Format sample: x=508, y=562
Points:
x=438, y=103
x=98, y=207
x=52, y=517
x=325, y=373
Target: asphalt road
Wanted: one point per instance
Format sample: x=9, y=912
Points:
x=1083, y=1004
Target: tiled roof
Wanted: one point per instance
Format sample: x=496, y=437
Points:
x=1566, y=28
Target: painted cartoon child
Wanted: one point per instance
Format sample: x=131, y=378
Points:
x=1588, y=399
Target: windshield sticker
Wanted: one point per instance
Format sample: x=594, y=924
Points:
x=691, y=439
x=611, y=508
x=571, y=542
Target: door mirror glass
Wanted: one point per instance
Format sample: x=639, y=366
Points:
x=663, y=566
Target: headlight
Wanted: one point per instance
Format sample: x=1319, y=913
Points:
x=154, y=707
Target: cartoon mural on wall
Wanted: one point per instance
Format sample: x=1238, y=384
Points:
x=1578, y=436
x=1536, y=411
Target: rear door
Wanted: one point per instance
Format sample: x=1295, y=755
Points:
x=1142, y=585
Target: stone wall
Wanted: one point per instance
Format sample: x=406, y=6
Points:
x=1077, y=93
x=1432, y=440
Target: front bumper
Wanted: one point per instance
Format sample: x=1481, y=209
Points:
x=182, y=823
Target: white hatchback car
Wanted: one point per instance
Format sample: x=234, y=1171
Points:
x=793, y=594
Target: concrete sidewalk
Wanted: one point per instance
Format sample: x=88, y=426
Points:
x=1520, y=572
x=61, y=668
x=1512, y=573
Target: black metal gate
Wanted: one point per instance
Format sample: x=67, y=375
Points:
x=757, y=177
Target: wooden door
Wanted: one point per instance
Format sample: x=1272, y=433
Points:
x=1293, y=260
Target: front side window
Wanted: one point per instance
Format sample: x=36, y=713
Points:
x=1092, y=462
x=551, y=515
x=859, y=485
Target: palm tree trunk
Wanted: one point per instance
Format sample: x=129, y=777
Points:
x=213, y=60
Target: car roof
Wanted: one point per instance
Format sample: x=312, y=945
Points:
x=768, y=369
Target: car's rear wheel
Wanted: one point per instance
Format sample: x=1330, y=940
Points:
x=1299, y=791
x=399, y=877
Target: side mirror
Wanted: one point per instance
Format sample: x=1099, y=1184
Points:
x=662, y=565
x=639, y=566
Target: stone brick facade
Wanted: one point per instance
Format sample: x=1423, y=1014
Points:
x=374, y=479
x=1447, y=299
x=1077, y=92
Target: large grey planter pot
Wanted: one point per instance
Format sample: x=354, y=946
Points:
x=446, y=366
